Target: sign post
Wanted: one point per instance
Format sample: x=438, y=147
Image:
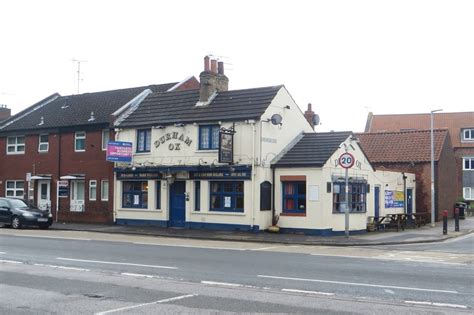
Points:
x=346, y=160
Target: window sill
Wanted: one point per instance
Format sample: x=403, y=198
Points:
x=207, y=151
x=141, y=210
x=351, y=212
x=283, y=214
x=15, y=153
x=229, y=213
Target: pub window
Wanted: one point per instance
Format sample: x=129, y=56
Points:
x=265, y=195
x=357, y=197
x=143, y=140
x=135, y=194
x=209, y=137
x=80, y=141
x=294, y=197
x=92, y=190
x=197, y=195
x=43, y=143
x=227, y=196
x=468, y=193
x=15, y=188
x=158, y=195
x=16, y=145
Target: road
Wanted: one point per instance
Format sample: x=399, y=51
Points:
x=82, y=272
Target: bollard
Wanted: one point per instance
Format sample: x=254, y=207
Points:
x=456, y=219
x=445, y=222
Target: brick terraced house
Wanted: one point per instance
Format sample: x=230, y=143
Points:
x=63, y=140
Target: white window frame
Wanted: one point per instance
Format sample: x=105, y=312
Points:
x=464, y=163
x=15, y=188
x=93, y=186
x=16, y=145
x=102, y=190
x=105, y=134
x=468, y=193
x=42, y=143
x=78, y=136
x=463, y=135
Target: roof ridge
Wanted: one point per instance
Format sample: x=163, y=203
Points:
x=123, y=89
x=427, y=114
x=439, y=130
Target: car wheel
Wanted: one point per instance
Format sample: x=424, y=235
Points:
x=16, y=222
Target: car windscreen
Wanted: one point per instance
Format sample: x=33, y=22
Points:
x=17, y=203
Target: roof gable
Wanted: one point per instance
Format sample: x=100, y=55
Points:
x=404, y=147
x=180, y=107
x=314, y=149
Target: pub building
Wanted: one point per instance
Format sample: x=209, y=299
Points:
x=221, y=159
x=201, y=158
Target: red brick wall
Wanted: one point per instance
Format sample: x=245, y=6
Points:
x=448, y=183
x=91, y=163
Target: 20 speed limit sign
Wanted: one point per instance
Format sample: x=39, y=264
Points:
x=346, y=160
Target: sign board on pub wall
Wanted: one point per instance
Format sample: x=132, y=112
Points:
x=394, y=199
x=119, y=151
x=226, y=146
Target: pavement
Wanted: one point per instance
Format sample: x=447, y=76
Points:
x=424, y=234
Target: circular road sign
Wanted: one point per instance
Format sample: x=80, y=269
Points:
x=346, y=160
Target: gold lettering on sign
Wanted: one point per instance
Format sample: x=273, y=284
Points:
x=175, y=145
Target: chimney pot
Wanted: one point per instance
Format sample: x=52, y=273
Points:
x=206, y=63
x=220, y=67
x=213, y=66
x=309, y=114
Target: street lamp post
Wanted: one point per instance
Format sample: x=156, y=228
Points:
x=432, y=171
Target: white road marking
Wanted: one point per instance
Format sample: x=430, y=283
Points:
x=137, y=275
x=62, y=267
x=55, y=237
x=146, y=304
x=115, y=263
x=1, y=253
x=308, y=292
x=235, y=285
x=393, y=257
x=358, y=284
x=264, y=248
x=10, y=261
x=189, y=246
x=389, y=291
x=436, y=304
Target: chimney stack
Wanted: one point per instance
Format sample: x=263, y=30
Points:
x=5, y=112
x=309, y=115
x=212, y=80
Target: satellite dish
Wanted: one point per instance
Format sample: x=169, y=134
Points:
x=276, y=119
x=316, y=120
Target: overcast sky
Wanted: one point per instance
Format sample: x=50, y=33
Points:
x=344, y=57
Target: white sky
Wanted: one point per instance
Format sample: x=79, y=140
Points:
x=345, y=57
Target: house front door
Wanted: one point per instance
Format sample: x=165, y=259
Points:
x=44, y=195
x=376, y=201
x=77, y=195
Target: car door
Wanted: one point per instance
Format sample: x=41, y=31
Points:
x=4, y=211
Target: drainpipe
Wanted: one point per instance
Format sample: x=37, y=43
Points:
x=254, y=131
x=273, y=193
x=404, y=192
x=59, y=175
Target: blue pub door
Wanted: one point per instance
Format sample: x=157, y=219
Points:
x=377, y=201
x=409, y=201
x=177, y=204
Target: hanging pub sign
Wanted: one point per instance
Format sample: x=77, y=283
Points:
x=226, y=145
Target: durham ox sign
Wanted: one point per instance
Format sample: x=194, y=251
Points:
x=175, y=139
